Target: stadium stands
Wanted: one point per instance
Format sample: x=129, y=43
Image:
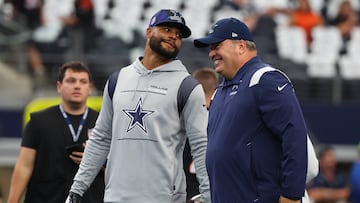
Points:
x=319, y=73
x=122, y=25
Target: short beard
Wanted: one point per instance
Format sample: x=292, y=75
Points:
x=155, y=45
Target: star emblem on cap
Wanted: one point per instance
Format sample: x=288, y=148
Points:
x=175, y=16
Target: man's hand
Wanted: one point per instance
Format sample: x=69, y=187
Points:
x=76, y=156
x=195, y=199
x=73, y=198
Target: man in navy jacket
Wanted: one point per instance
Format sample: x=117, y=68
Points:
x=257, y=137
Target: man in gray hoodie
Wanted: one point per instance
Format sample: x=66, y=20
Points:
x=141, y=130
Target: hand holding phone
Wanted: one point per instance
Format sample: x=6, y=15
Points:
x=74, y=148
x=75, y=152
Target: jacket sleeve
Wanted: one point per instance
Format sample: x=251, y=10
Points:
x=195, y=117
x=282, y=114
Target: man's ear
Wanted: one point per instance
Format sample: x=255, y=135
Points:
x=148, y=32
x=241, y=45
x=58, y=86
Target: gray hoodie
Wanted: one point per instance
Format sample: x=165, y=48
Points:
x=142, y=136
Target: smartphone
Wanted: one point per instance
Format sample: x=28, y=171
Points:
x=74, y=147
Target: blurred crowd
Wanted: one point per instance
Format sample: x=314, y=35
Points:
x=107, y=34
x=333, y=184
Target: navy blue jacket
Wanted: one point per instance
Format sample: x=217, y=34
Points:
x=257, y=147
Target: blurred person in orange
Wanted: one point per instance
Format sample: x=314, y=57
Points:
x=303, y=16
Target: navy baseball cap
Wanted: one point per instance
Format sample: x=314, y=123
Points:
x=227, y=28
x=171, y=18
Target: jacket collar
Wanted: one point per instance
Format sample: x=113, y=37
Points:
x=241, y=72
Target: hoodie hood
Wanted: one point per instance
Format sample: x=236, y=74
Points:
x=146, y=74
x=173, y=66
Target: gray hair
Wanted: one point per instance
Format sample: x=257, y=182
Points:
x=251, y=45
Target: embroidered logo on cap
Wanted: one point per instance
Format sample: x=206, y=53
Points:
x=175, y=16
x=153, y=20
x=212, y=28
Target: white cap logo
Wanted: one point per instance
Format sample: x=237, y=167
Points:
x=233, y=34
x=212, y=29
x=153, y=20
x=175, y=16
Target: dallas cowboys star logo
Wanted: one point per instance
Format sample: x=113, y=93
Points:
x=137, y=116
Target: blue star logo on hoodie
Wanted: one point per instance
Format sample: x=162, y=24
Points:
x=138, y=116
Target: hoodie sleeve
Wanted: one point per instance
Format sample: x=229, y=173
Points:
x=195, y=117
x=282, y=114
x=97, y=148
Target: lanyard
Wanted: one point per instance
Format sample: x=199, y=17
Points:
x=71, y=128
